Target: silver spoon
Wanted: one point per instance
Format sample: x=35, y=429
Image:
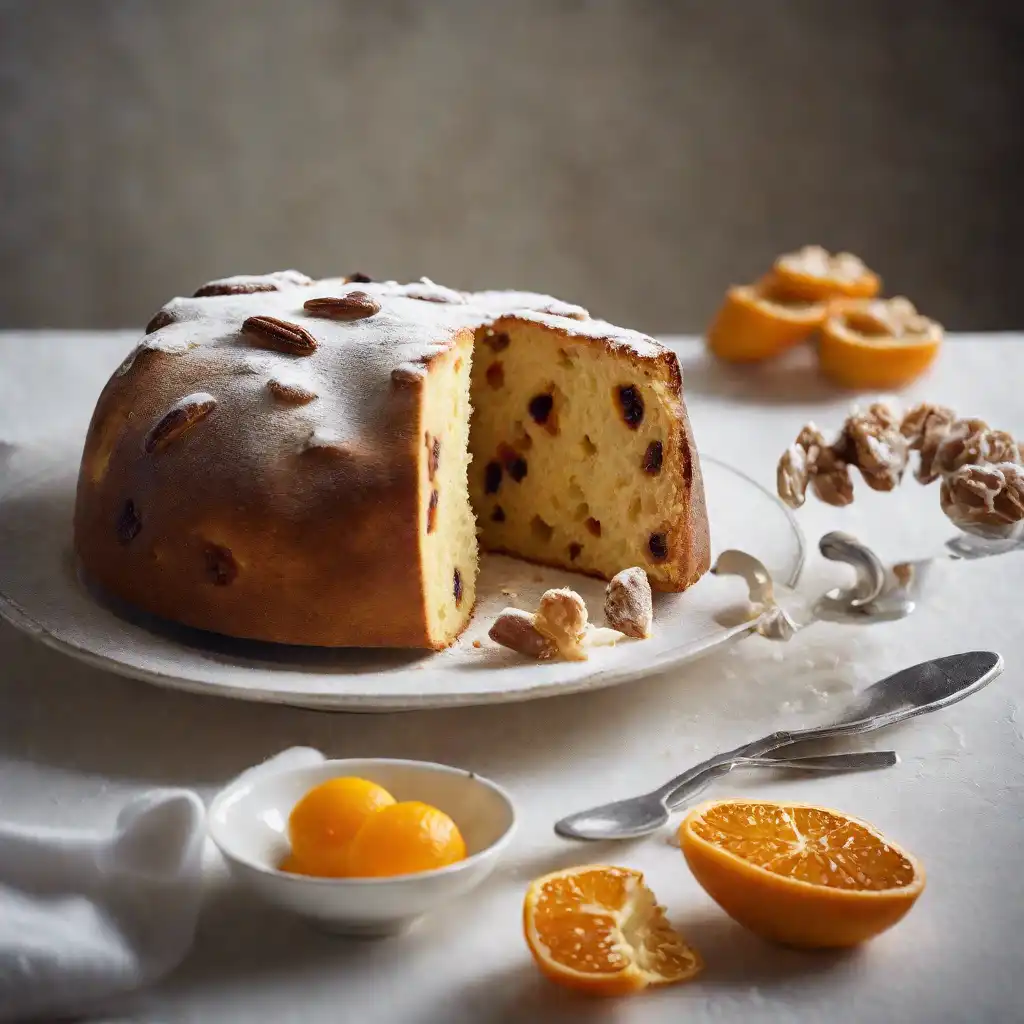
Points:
x=913, y=691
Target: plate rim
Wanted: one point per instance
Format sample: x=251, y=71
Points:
x=18, y=617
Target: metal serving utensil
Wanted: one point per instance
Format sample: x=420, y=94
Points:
x=913, y=691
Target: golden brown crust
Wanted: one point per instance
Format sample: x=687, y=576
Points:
x=322, y=558
x=207, y=498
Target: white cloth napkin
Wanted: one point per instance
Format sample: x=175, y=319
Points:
x=88, y=915
x=85, y=916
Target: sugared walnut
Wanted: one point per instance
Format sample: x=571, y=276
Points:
x=495, y=374
x=249, y=284
x=290, y=391
x=925, y=427
x=432, y=511
x=971, y=442
x=497, y=341
x=798, y=464
x=514, y=629
x=183, y=416
x=492, y=477
x=281, y=335
x=574, y=551
x=653, y=457
x=831, y=480
x=162, y=319
x=352, y=306
x=593, y=526
x=221, y=567
x=433, y=445
x=129, y=523
x=562, y=618
x=985, y=499
x=871, y=440
x=457, y=587
x=657, y=544
x=631, y=404
x=498, y=515
x=628, y=606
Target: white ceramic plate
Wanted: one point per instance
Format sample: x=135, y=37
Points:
x=41, y=594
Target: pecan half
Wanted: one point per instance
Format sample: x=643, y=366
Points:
x=289, y=391
x=185, y=415
x=282, y=335
x=628, y=606
x=162, y=319
x=353, y=306
x=249, y=285
x=358, y=278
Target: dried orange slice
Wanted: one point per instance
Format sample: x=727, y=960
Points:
x=759, y=321
x=877, y=343
x=815, y=275
x=600, y=929
x=800, y=875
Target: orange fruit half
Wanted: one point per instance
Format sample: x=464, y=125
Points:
x=800, y=875
x=814, y=274
x=877, y=343
x=759, y=321
x=599, y=929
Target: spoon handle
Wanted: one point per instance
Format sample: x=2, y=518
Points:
x=866, y=760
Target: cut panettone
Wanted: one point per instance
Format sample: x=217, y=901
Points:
x=310, y=462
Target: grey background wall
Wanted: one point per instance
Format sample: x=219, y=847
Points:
x=635, y=156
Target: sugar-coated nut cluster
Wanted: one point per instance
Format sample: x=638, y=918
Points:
x=628, y=606
x=982, y=470
x=869, y=441
x=562, y=618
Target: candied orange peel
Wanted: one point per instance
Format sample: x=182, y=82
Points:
x=877, y=343
x=816, y=275
x=761, y=320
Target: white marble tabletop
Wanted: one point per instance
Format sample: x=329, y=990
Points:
x=75, y=742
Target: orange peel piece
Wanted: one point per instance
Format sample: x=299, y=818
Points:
x=816, y=275
x=759, y=321
x=877, y=343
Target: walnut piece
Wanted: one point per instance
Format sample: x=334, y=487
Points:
x=985, y=499
x=925, y=427
x=627, y=603
x=874, y=444
x=971, y=442
x=514, y=629
x=562, y=618
x=982, y=469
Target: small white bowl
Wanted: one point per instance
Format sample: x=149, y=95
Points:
x=249, y=823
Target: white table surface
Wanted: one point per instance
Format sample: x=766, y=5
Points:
x=76, y=742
